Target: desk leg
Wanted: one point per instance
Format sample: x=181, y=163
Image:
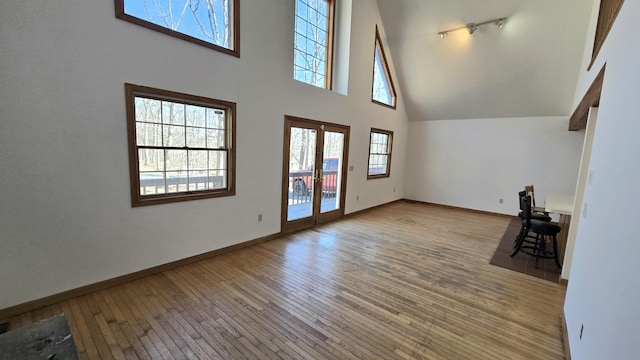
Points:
x=564, y=222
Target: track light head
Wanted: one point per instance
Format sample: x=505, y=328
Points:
x=472, y=28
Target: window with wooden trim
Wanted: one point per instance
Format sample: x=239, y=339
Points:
x=379, y=153
x=211, y=23
x=313, y=42
x=383, y=92
x=607, y=14
x=181, y=147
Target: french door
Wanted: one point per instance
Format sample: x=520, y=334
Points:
x=314, y=172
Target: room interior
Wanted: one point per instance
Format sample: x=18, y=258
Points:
x=478, y=116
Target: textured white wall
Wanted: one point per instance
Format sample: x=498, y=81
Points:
x=474, y=163
x=604, y=287
x=66, y=219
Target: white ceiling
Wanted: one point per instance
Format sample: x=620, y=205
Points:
x=528, y=68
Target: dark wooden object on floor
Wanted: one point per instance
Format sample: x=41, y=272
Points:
x=45, y=339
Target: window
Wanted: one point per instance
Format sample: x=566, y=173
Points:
x=313, y=43
x=380, y=154
x=383, y=91
x=181, y=147
x=211, y=23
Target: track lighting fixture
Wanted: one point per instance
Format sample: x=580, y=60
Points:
x=472, y=27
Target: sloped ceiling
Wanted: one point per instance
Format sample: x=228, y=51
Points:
x=529, y=68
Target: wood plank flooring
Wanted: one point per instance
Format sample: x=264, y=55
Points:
x=404, y=281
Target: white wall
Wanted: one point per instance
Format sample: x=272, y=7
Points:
x=474, y=163
x=582, y=180
x=66, y=219
x=604, y=288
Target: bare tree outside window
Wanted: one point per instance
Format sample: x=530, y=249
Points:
x=302, y=149
x=381, y=89
x=181, y=146
x=313, y=42
x=212, y=23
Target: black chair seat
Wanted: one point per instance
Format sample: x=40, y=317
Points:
x=544, y=228
x=535, y=216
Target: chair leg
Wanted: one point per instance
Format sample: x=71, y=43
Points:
x=519, y=240
x=520, y=235
x=555, y=252
x=539, y=246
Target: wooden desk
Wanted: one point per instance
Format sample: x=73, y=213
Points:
x=562, y=205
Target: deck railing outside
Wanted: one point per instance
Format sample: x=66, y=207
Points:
x=301, y=186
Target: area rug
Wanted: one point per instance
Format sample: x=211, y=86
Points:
x=521, y=262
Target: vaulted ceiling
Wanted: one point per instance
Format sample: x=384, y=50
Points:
x=529, y=68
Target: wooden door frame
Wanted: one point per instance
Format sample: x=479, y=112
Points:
x=316, y=218
x=339, y=213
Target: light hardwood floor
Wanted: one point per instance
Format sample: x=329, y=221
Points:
x=404, y=281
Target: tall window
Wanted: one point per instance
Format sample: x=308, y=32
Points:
x=380, y=153
x=313, y=43
x=181, y=147
x=211, y=23
x=383, y=91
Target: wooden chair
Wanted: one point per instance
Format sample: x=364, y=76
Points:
x=545, y=233
x=535, y=209
x=534, y=215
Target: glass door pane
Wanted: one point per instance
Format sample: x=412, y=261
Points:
x=314, y=173
x=332, y=171
x=302, y=172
